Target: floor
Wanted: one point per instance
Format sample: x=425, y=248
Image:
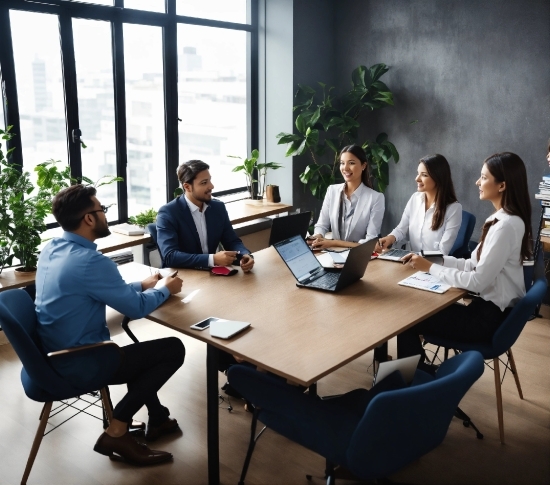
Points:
x=66, y=455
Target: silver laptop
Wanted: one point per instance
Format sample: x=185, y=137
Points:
x=309, y=272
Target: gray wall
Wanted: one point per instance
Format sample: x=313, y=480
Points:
x=314, y=61
x=476, y=74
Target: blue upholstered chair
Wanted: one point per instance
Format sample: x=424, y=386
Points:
x=460, y=248
x=93, y=364
x=152, y=228
x=502, y=341
x=371, y=434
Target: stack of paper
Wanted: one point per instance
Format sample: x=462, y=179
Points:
x=426, y=282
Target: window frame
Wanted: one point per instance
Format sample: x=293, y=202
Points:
x=117, y=15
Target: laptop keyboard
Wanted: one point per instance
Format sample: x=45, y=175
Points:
x=327, y=281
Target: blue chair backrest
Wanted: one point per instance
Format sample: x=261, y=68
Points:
x=152, y=228
x=400, y=426
x=460, y=248
x=18, y=320
x=509, y=330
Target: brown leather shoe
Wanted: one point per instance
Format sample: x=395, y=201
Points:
x=154, y=432
x=130, y=449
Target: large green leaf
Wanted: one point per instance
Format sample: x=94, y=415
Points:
x=301, y=124
x=377, y=71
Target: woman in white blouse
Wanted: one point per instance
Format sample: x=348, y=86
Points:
x=494, y=273
x=432, y=216
x=353, y=211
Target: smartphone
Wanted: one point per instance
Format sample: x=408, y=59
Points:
x=204, y=324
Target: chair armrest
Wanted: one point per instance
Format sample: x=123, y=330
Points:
x=82, y=348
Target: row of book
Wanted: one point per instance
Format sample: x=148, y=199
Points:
x=544, y=197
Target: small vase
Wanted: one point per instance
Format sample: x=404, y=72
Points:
x=272, y=193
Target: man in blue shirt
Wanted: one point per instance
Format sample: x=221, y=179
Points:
x=74, y=283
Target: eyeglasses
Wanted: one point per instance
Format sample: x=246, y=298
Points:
x=103, y=209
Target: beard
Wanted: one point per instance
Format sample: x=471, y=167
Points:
x=202, y=197
x=102, y=231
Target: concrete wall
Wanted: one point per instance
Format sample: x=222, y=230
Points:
x=476, y=74
x=314, y=61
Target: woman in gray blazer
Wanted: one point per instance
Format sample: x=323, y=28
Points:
x=353, y=211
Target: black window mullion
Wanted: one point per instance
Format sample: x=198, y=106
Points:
x=71, y=94
x=253, y=84
x=120, y=117
x=8, y=86
x=170, y=57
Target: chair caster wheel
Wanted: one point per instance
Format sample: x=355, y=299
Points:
x=466, y=424
x=479, y=436
x=309, y=477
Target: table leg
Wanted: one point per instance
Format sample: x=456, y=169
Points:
x=213, y=419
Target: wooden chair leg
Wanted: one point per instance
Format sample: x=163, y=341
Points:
x=107, y=404
x=499, y=400
x=515, y=372
x=37, y=440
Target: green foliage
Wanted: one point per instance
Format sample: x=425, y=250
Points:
x=251, y=168
x=24, y=206
x=148, y=216
x=325, y=121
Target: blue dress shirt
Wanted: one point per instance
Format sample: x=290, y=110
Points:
x=74, y=283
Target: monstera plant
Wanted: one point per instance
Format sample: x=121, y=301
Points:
x=326, y=123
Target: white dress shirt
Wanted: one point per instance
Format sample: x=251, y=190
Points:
x=200, y=224
x=362, y=214
x=498, y=275
x=416, y=226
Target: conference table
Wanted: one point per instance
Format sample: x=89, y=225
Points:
x=299, y=334
x=239, y=211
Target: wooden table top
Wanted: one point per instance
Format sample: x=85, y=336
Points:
x=298, y=333
x=249, y=210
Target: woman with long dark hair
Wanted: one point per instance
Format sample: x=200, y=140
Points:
x=353, y=211
x=432, y=217
x=494, y=273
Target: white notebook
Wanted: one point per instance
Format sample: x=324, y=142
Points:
x=426, y=282
x=128, y=229
x=227, y=328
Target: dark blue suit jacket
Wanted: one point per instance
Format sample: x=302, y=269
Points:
x=178, y=239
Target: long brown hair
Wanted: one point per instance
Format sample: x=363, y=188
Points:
x=439, y=170
x=509, y=168
x=358, y=152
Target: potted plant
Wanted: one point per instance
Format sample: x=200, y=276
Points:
x=325, y=120
x=145, y=217
x=251, y=169
x=24, y=206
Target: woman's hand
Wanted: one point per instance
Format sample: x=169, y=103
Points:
x=322, y=243
x=311, y=239
x=383, y=243
x=417, y=262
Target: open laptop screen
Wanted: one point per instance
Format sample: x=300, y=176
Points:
x=298, y=257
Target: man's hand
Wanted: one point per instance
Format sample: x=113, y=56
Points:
x=417, y=262
x=150, y=282
x=173, y=283
x=311, y=239
x=247, y=263
x=225, y=258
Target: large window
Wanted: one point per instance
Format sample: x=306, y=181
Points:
x=212, y=99
x=145, y=86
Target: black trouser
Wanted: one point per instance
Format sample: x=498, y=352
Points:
x=145, y=367
x=476, y=322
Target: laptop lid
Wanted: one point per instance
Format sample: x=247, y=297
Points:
x=407, y=366
x=301, y=262
x=356, y=263
x=292, y=225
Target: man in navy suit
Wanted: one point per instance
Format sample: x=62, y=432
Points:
x=190, y=228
